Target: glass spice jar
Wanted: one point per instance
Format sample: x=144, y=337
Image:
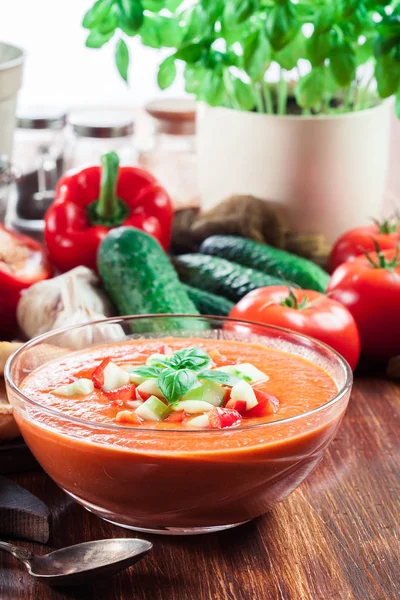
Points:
x=94, y=133
x=39, y=145
x=170, y=154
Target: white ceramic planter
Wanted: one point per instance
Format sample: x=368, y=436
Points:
x=329, y=173
x=11, y=60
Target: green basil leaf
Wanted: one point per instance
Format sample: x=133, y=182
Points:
x=387, y=73
x=191, y=53
x=362, y=21
x=256, y=55
x=244, y=94
x=158, y=31
x=131, y=16
x=310, y=88
x=97, y=40
x=153, y=5
x=190, y=358
x=290, y=55
x=144, y=371
x=318, y=47
x=282, y=25
x=343, y=64
x=219, y=377
x=166, y=73
x=194, y=76
x=150, y=32
x=347, y=8
x=196, y=24
x=172, y=5
x=390, y=26
x=237, y=11
x=175, y=384
x=213, y=88
x=122, y=59
x=365, y=51
x=96, y=14
x=325, y=18
x=383, y=46
x=110, y=23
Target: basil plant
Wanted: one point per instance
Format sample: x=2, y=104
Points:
x=270, y=56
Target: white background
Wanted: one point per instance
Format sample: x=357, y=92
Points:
x=60, y=70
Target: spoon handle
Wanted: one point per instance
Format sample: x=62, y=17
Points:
x=22, y=554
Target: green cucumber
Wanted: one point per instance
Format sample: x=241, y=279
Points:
x=153, y=409
x=219, y=276
x=267, y=259
x=140, y=278
x=208, y=391
x=208, y=303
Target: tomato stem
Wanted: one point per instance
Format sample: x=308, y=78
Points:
x=389, y=225
x=381, y=261
x=292, y=302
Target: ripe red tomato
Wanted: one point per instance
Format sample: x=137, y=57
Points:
x=370, y=288
x=363, y=239
x=304, y=311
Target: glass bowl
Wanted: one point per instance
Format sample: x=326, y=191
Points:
x=176, y=481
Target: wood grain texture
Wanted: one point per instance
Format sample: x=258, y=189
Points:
x=22, y=515
x=335, y=538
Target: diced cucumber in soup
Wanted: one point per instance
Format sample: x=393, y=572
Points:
x=200, y=421
x=149, y=386
x=114, y=377
x=243, y=391
x=81, y=387
x=193, y=406
x=153, y=409
x=134, y=378
x=208, y=391
x=247, y=371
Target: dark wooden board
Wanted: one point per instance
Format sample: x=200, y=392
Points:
x=15, y=457
x=335, y=538
x=22, y=515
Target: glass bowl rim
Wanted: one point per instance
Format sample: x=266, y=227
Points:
x=115, y=427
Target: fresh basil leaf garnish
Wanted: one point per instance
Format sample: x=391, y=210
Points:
x=175, y=383
x=158, y=361
x=190, y=358
x=219, y=377
x=144, y=371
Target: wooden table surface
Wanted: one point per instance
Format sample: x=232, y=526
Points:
x=335, y=538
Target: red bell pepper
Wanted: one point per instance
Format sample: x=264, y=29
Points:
x=267, y=404
x=23, y=262
x=238, y=405
x=223, y=417
x=91, y=201
x=122, y=394
x=176, y=417
x=98, y=373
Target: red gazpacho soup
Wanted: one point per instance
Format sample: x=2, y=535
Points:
x=179, y=432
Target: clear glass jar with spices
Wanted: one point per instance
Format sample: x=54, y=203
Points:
x=39, y=146
x=170, y=154
x=93, y=133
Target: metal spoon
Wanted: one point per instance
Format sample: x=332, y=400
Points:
x=80, y=563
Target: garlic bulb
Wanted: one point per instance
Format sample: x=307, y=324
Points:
x=69, y=299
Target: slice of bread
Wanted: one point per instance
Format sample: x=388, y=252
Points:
x=8, y=427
